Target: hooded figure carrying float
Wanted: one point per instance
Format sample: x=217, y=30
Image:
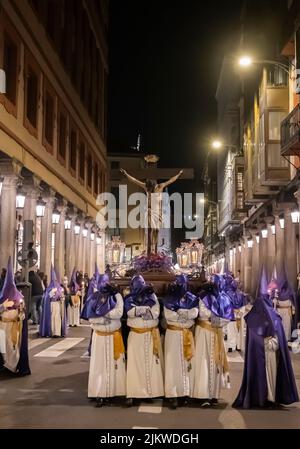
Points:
x=211, y=366
x=107, y=374
x=144, y=352
x=53, y=316
x=180, y=311
x=13, y=327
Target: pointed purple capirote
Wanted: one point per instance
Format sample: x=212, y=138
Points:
x=101, y=302
x=179, y=297
x=285, y=290
x=74, y=287
x=140, y=294
x=263, y=284
x=262, y=322
x=9, y=289
x=45, y=320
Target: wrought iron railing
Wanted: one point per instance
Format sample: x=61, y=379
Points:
x=290, y=132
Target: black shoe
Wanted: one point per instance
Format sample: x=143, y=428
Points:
x=205, y=403
x=99, y=402
x=129, y=402
x=185, y=401
x=214, y=401
x=173, y=403
x=229, y=349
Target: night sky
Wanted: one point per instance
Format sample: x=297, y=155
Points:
x=165, y=58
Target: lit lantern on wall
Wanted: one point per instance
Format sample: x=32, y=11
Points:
x=85, y=232
x=40, y=207
x=20, y=199
x=264, y=233
x=295, y=216
x=77, y=229
x=1, y=183
x=234, y=250
x=281, y=223
x=115, y=250
x=92, y=236
x=240, y=248
x=250, y=243
x=257, y=238
x=98, y=240
x=67, y=222
x=55, y=216
x=273, y=229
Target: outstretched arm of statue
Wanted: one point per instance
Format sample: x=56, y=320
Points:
x=132, y=179
x=170, y=181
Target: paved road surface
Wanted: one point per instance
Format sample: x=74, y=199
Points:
x=55, y=396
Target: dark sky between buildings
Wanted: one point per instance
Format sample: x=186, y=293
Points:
x=165, y=58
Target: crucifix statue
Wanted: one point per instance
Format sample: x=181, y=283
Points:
x=153, y=191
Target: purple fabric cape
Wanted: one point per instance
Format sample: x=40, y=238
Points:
x=263, y=321
x=179, y=297
x=101, y=302
x=140, y=294
x=236, y=297
x=10, y=291
x=216, y=300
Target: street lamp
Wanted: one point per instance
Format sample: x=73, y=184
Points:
x=295, y=215
x=247, y=61
x=92, y=236
x=98, y=240
x=273, y=229
x=216, y=144
x=55, y=216
x=40, y=208
x=77, y=229
x=20, y=199
x=85, y=232
x=250, y=243
x=67, y=222
x=257, y=238
x=281, y=223
x=264, y=233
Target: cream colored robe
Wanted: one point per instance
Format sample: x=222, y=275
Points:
x=107, y=377
x=144, y=369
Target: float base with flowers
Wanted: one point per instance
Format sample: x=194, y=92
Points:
x=157, y=269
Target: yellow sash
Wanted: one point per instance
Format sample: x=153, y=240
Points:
x=188, y=340
x=75, y=300
x=155, y=336
x=16, y=329
x=119, y=347
x=219, y=348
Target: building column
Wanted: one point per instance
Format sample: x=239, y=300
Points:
x=263, y=254
x=271, y=251
x=279, y=255
x=242, y=261
x=59, y=250
x=8, y=219
x=255, y=264
x=70, y=253
x=87, y=252
x=290, y=251
x=297, y=196
x=101, y=253
x=46, y=237
x=247, y=266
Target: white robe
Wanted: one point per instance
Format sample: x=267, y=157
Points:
x=144, y=369
x=235, y=336
x=284, y=308
x=208, y=377
x=179, y=372
x=107, y=376
x=11, y=353
x=271, y=348
x=73, y=312
x=57, y=316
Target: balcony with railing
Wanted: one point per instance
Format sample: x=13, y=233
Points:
x=290, y=133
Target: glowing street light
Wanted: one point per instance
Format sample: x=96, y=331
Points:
x=264, y=233
x=77, y=229
x=216, y=144
x=295, y=215
x=67, y=222
x=55, y=216
x=245, y=61
x=40, y=208
x=20, y=199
